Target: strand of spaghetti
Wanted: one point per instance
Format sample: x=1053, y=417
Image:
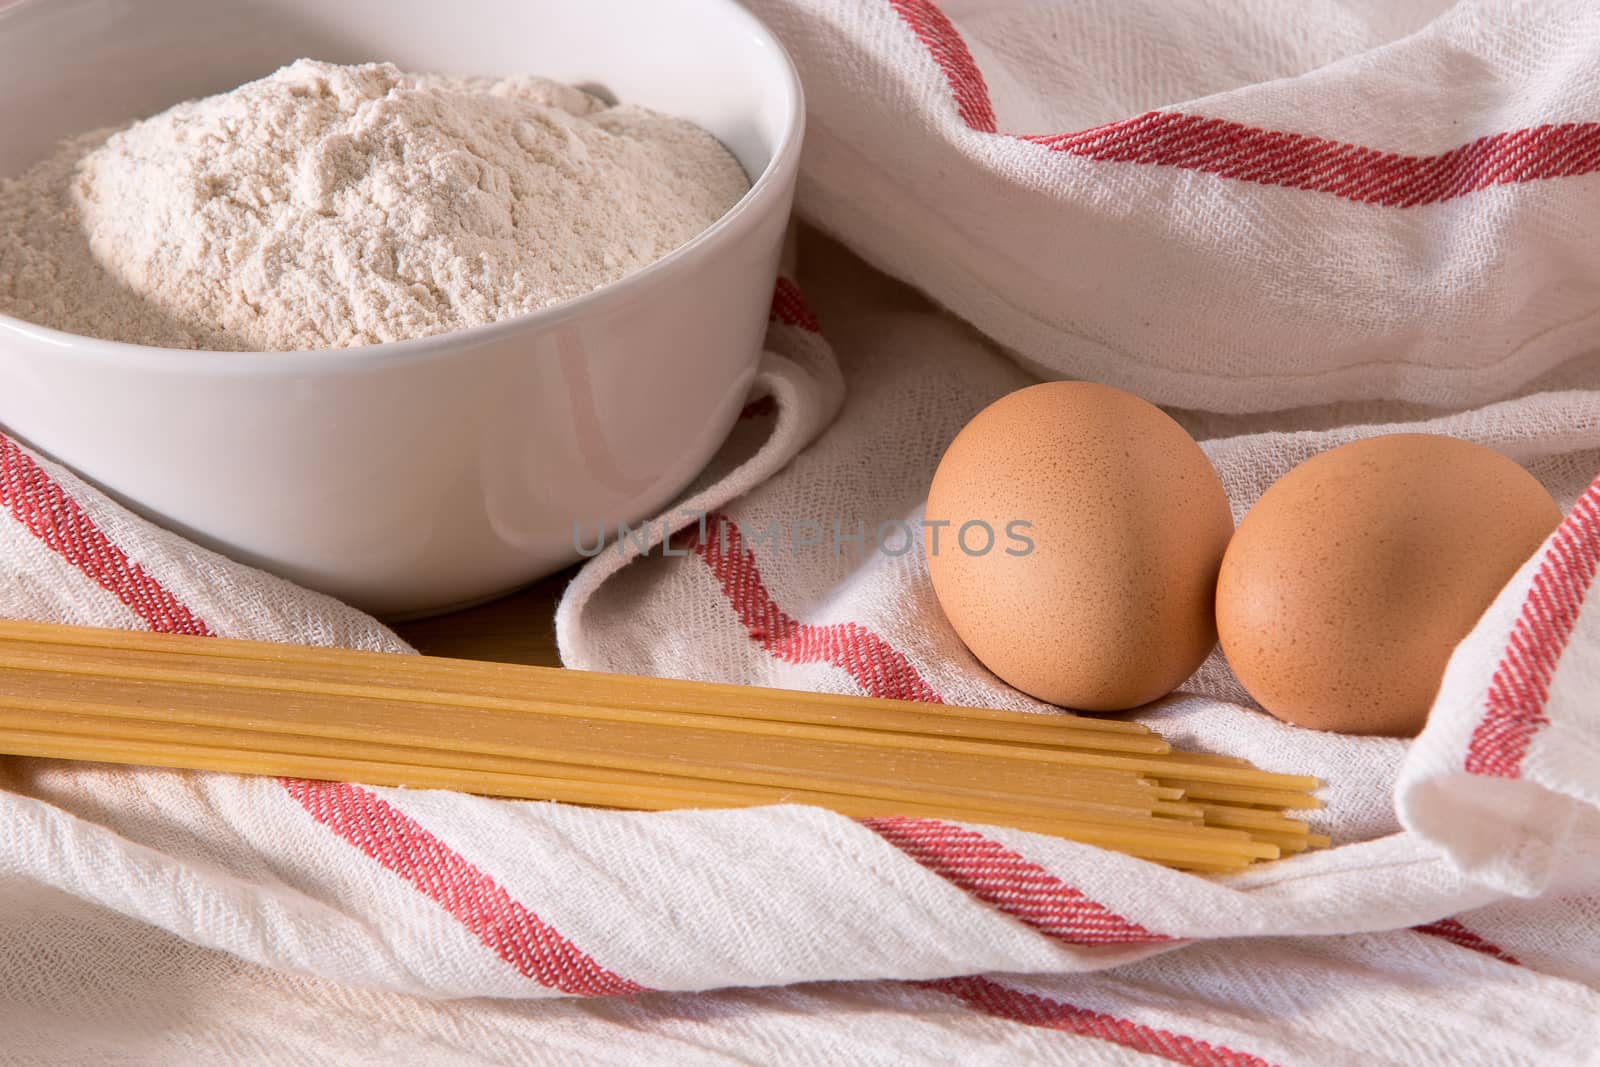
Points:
x=660, y=749
x=517, y=682
x=1241, y=794
x=1252, y=818
x=89, y=666
x=175, y=670
x=1111, y=808
x=1177, y=848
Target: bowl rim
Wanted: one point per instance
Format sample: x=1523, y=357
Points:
x=771, y=184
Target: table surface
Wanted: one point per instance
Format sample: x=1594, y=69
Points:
x=519, y=628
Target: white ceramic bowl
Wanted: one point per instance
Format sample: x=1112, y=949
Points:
x=407, y=478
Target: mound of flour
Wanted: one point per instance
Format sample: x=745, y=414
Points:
x=332, y=206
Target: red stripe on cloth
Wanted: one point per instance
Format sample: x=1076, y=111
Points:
x=1353, y=172
x=1010, y=882
x=1003, y=1002
x=1000, y=877
x=1519, y=690
x=943, y=41
x=1275, y=157
x=405, y=847
x=877, y=666
x=43, y=508
x=1456, y=933
x=790, y=308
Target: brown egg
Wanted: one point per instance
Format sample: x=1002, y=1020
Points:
x=1109, y=525
x=1354, y=577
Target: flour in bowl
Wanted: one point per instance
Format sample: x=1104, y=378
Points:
x=333, y=206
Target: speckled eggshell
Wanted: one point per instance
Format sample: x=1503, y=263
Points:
x=1353, y=578
x=1112, y=608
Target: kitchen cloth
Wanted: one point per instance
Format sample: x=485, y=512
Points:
x=1294, y=224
